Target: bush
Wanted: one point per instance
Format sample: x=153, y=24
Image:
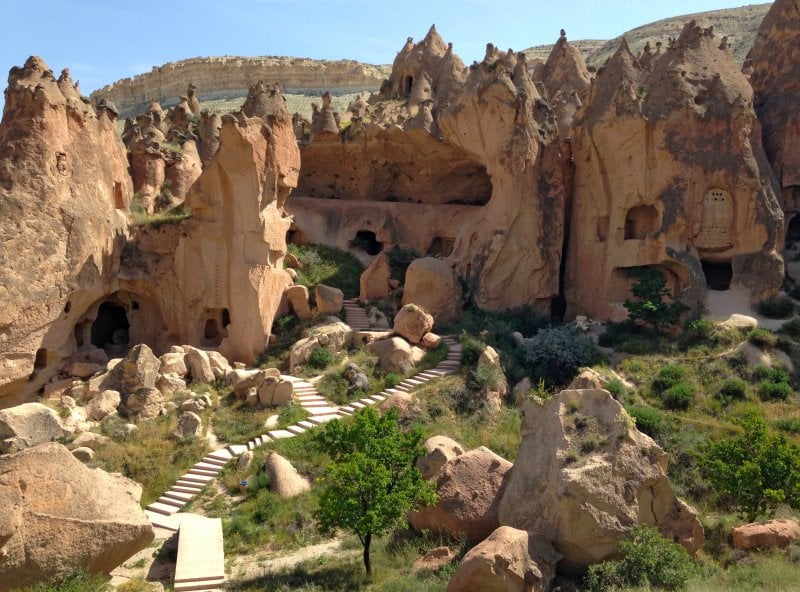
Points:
x=648, y=419
x=733, y=389
x=391, y=380
x=791, y=328
x=668, y=376
x=471, y=350
x=329, y=266
x=762, y=372
x=616, y=387
x=777, y=307
x=678, y=396
x=484, y=379
x=762, y=338
x=649, y=560
x=774, y=391
x=399, y=260
x=649, y=307
x=78, y=581
x=555, y=354
x=700, y=331
x=321, y=358
x=788, y=424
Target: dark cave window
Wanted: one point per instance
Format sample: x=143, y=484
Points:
x=367, y=242
x=408, y=82
x=640, y=221
x=110, y=328
x=718, y=275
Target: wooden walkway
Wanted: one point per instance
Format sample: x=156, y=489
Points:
x=201, y=559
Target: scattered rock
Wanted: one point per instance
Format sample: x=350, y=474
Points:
x=432, y=284
x=439, y=451
x=102, y=405
x=489, y=358
x=406, y=404
x=356, y=379
x=298, y=301
x=331, y=333
x=28, y=425
x=412, y=322
x=329, y=300
x=396, y=355
x=84, y=369
x=190, y=426
x=88, y=440
x=430, y=341
x=433, y=560
x=174, y=363
x=245, y=460
x=199, y=365
x=169, y=384
x=83, y=454
x=375, y=279
x=771, y=534
x=283, y=477
x=145, y=403
x=139, y=370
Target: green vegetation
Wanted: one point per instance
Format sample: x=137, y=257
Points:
x=762, y=338
x=372, y=481
x=555, y=354
x=777, y=307
x=648, y=560
x=171, y=216
x=321, y=358
x=329, y=266
x=79, y=581
x=650, y=307
x=234, y=422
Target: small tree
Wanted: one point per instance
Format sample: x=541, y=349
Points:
x=649, y=307
x=756, y=470
x=372, y=482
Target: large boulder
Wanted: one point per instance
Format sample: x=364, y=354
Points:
x=584, y=476
x=199, y=365
x=412, y=322
x=59, y=516
x=766, y=535
x=510, y=560
x=432, y=284
x=331, y=333
x=140, y=369
x=298, y=301
x=396, y=355
x=174, y=363
x=439, y=450
x=329, y=300
x=28, y=425
x=190, y=426
x=145, y=403
x=470, y=487
x=102, y=405
x=283, y=477
x=374, y=280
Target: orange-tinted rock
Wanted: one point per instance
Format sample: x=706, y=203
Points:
x=375, y=280
x=184, y=170
x=766, y=535
x=412, y=322
x=432, y=284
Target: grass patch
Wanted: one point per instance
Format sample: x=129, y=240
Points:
x=172, y=216
x=79, y=581
x=777, y=307
x=236, y=423
x=329, y=266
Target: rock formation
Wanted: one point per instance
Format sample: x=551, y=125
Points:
x=58, y=515
x=670, y=173
x=584, y=476
x=774, y=66
x=64, y=193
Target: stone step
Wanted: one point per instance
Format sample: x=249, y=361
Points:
x=160, y=508
x=237, y=449
x=378, y=398
x=305, y=424
x=415, y=381
x=295, y=429
x=316, y=403
x=367, y=401
x=314, y=411
x=223, y=455
x=347, y=408
x=265, y=438
x=178, y=495
x=201, y=558
x=187, y=489
x=209, y=460
x=403, y=387
x=280, y=434
x=202, y=479
x=171, y=501
x=204, y=472
x=320, y=419
x=207, y=466
x=357, y=404
x=168, y=522
x=251, y=445
x=202, y=586
x=344, y=413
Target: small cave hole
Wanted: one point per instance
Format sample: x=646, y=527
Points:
x=367, y=242
x=640, y=221
x=40, y=361
x=408, y=83
x=110, y=328
x=211, y=330
x=67, y=307
x=226, y=317
x=441, y=246
x=718, y=275
x=793, y=231
x=134, y=305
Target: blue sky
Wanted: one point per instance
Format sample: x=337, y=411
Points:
x=104, y=40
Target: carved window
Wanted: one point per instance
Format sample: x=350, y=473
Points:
x=640, y=221
x=716, y=220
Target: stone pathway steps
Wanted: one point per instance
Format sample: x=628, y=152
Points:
x=200, y=564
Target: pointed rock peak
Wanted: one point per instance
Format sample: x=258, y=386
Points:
x=65, y=77
x=623, y=48
x=434, y=43
x=565, y=69
x=693, y=34
x=263, y=101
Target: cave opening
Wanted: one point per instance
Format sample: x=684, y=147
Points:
x=408, y=83
x=718, y=275
x=441, y=246
x=793, y=231
x=640, y=221
x=367, y=241
x=110, y=328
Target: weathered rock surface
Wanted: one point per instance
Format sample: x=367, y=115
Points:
x=374, y=280
x=766, y=535
x=64, y=190
x=331, y=333
x=584, y=476
x=298, y=301
x=439, y=451
x=469, y=487
x=395, y=354
x=432, y=284
x=509, y=560
x=146, y=403
x=29, y=424
x=433, y=560
x=190, y=425
x=103, y=404
x=140, y=369
x=283, y=477
x=59, y=516
x=329, y=300
x=412, y=322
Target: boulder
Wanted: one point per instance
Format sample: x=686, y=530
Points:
x=406, y=404
x=430, y=341
x=771, y=534
x=88, y=440
x=174, y=363
x=489, y=358
x=375, y=279
x=219, y=364
x=83, y=454
x=469, y=487
x=522, y=391
x=298, y=301
x=396, y=355
x=331, y=333
x=244, y=380
x=283, y=477
x=245, y=460
x=356, y=379
x=68, y=402
x=102, y=405
x=140, y=369
x=190, y=426
x=84, y=369
x=110, y=380
x=432, y=284
x=433, y=560
x=584, y=476
x=145, y=403
x=169, y=384
x=199, y=365
x=274, y=392
x=377, y=319
x=329, y=300
x=412, y=322
x=588, y=379
x=28, y=425
x=59, y=516
x=439, y=451
x=510, y=560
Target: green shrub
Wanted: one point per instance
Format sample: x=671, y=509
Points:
x=391, y=380
x=777, y=307
x=555, y=354
x=678, y=396
x=668, y=376
x=616, y=387
x=329, y=266
x=321, y=358
x=762, y=372
x=648, y=419
x=291, y=414
x=648, y=560
x=471, y=350
x=791, y=328
x=762, y=338
x=788, y=424
x=774, y=391
x=78, y=581
x=733, y=389
x=399, y=260
x=484, y=379
x=650, y=307
x=700, y=331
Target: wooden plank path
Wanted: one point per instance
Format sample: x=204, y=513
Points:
x=201, y=560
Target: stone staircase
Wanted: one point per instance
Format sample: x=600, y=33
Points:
x=200, y=564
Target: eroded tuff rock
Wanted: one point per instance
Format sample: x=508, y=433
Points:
x=670, y=173
x=59, y=515
x=584, y=476
x=774, y=67
x=64, y=193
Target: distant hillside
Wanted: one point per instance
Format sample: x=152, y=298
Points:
x=739, y=24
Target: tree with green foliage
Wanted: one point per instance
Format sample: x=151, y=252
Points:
x=756, y=470
x=650, y=306
x=372, y=481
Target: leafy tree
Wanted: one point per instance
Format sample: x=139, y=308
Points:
x=650, y=307
x=756, y=470
x=372, y=482
x=555, y=354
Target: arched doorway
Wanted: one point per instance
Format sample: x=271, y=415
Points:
x=110, y=329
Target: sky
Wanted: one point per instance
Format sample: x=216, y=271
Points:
x=101, y=41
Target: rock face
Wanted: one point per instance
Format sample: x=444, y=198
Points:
x=64, y=194
x=766, y=535
x=584, y=476
x=374, y=281
x=774, y=66
x=432, y=284
x=670, y=174
x=59, y=516
x=395, y=354
x=469, y=487
x=283, y=477
x=510, y=560
x=29, y=425
x=439, y=451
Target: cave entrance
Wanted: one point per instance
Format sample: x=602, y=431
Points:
x=408, y=82
x=640, y=221
x=441, y=246
x=718, y=275
x=215, y=326
x=793, y=231
x=110, y=329
x=367, y=241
